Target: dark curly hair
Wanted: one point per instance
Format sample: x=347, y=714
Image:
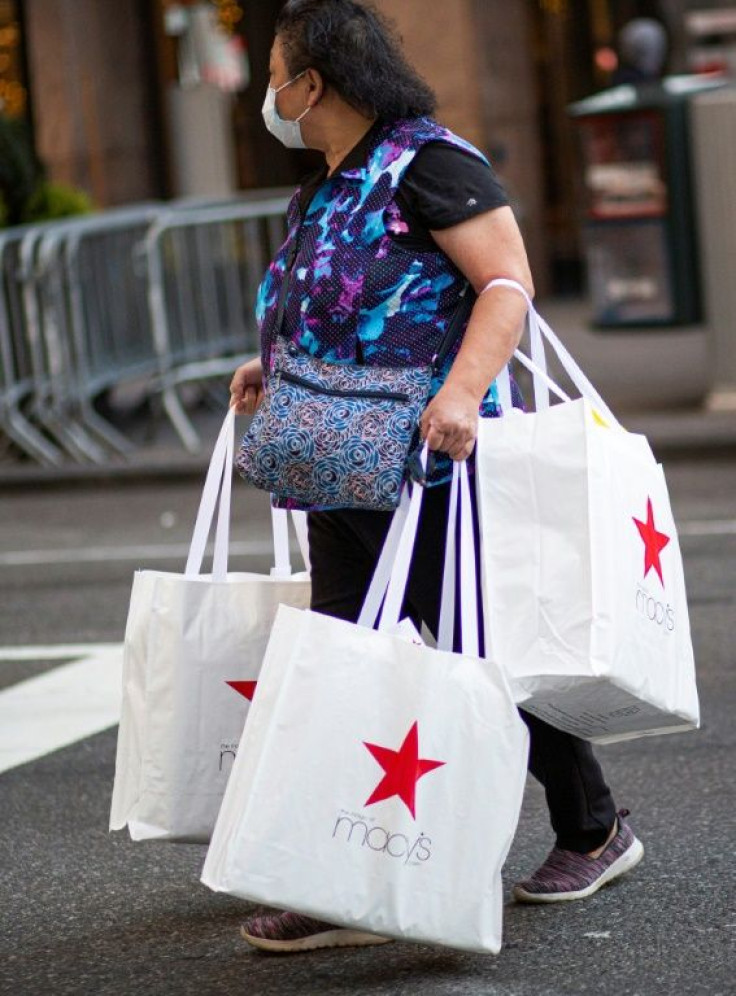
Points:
x=357, y=53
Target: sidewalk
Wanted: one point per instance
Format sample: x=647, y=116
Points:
x=654, y=381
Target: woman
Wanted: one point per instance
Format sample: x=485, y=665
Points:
x=381, y=243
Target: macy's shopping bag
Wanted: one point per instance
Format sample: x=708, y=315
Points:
x=378, y=783
x=194, y=644
x=585, y=603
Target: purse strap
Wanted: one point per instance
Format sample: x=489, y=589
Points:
x=285, y=284
x=456, y=326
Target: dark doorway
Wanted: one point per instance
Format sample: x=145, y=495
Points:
x=262, y=160
x=567, y=35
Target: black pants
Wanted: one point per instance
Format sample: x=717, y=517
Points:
x=344, y=547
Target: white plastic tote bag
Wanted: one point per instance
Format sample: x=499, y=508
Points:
x=584, y=592
x=194, y=644
x=378, y=783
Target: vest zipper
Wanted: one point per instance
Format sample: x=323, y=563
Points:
x=335, y=392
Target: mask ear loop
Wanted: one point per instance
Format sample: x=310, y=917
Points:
x=283, y=86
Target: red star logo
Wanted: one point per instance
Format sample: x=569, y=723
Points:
x=403, y=768
x=244, y=688
x=654, y=542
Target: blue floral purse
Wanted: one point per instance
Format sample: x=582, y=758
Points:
x=335, y=435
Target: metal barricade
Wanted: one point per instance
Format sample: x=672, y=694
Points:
x=161, y=294
x=204, y=266
x=75, y=354
x=17, y=366
x=101, y=291
x=106, y=297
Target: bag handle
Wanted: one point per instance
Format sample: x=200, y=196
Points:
x=446, y=627
x=399, y=577
x=217, y=489
x=538, y=373
x=400, y=537
x=217, y=495
x=282, y=555
x=302, y=537
x=391, y=576
x=382, y=574
x=541, y=396
x=539, y=331
x=468, y=577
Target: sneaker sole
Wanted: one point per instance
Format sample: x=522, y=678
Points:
x=338, y=938
x=628, y=860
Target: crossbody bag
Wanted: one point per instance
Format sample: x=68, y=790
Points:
x=338, y=435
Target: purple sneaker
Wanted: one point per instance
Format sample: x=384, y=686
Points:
x=287, y=932
x=568, y=875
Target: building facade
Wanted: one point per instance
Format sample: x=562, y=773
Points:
x=95, y=79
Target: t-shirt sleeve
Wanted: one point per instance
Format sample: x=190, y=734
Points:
x=445, y=185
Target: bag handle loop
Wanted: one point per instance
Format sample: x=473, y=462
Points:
x=468, y=575
x=539, y=331
x=216, y=491
x=282, y=556
x=217, y=496
x=391, y=576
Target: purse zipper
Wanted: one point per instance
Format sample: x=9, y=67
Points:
x=335, y=392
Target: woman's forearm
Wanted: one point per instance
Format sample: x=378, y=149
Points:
x=493, y=333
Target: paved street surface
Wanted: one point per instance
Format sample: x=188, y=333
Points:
x=85, y=912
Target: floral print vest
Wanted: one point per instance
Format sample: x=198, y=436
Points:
x=356, y=295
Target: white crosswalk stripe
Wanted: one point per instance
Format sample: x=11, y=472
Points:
x=81, y=696
x=66, y=704
x=58, y=651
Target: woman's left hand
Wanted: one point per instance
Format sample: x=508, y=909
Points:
x=450, y=422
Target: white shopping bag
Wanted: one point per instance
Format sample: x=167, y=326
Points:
x=378, y=783
x=584, y=592
x=194, y=644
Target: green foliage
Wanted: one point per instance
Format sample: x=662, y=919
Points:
x=25, y=194
x=56, y=200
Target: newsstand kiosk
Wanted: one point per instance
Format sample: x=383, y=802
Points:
x=639, y=217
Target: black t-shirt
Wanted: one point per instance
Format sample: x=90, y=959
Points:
x=442, y=187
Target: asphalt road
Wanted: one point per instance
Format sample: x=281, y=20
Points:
x=85, y=912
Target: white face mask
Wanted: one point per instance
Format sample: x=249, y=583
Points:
x=288, y=132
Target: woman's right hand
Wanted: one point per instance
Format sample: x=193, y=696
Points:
x=246, y=387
